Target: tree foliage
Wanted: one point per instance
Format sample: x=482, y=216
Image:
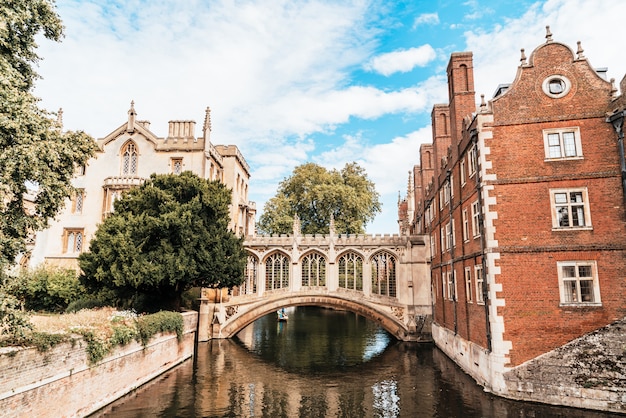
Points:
x=165, y=237
x=315, y=194
x=45, y=288
x=34, y=152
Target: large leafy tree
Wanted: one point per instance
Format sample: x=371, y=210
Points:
x=36, y=157
x=163, y=238
x=314, y=194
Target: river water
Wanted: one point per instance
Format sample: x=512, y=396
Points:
x=320, y=363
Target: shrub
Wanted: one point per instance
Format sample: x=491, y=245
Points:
x=164, y=321
x=14, y=324
x=45, y=288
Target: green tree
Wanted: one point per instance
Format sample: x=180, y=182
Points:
x=36, y=157
x=163, y=238
x=315, y=194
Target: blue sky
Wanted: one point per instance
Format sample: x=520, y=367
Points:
x=292, y=81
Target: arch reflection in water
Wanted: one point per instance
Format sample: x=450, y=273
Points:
x=315, y=340
x=286, y=377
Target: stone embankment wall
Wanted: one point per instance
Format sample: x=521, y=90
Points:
x=61, y=382
x=589, y=372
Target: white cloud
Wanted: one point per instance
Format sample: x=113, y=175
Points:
x=402, y=60
x=426, y=19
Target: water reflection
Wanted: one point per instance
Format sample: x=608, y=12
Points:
x=315, y=340
x=338, y=365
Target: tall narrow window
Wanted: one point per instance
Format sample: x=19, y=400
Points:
x=252, y=271
x=351, y=271
x=313, y=270
x=384, y=274
x=475, y=219
x=78, y=199
x=471, y=161
x=129, y=159
x=478, y=272
x=276, y=272
x=465, y=226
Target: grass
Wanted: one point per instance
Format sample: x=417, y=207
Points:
x=99, y=320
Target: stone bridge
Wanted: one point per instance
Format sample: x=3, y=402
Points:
x=385, y=278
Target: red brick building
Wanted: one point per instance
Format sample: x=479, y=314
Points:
x=523, y=199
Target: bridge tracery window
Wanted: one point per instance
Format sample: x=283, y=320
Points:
x=384, y=274
x=276, y=272
x=249, y=285
x=351, y=271
x=314, y=270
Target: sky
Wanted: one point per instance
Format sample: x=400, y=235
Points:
x=297, y=81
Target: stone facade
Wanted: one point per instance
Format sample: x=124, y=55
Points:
x=384, y=278
x=523, y=199
x=126, y=158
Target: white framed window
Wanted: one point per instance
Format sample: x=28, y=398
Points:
x=462, y=171
x=475, y=223
x=570, y=209
x=556, y=86
x=465, y=226
x=467, y=273
x=578, y=283
x=480, y=282
x=433, y=248
x=471, y=161
x=441, y=199
x=562, y=143
x=451, y=285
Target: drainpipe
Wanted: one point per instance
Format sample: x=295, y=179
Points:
x=483, y=239
x=617, y=120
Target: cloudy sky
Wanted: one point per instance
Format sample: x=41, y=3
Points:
x=295, y=81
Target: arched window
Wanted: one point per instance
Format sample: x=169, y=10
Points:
x=351, y=271
x=314, y=270
x=384, y=274
x=252, y=272
x=276, y=272
x=129, y=159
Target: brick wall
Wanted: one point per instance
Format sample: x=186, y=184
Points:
x=62, y=383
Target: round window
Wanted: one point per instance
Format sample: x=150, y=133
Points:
x=556, y=86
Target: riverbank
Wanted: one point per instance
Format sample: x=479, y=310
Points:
x=64, y=382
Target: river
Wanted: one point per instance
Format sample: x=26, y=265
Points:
x=320, y=363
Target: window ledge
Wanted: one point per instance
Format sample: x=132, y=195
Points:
x=574, y=228
x=550, y=160
x=581, y=305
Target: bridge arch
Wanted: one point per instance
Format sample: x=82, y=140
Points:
x=385, y=318
x=264, y=258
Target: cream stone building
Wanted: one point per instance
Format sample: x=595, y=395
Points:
x=126, y=158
